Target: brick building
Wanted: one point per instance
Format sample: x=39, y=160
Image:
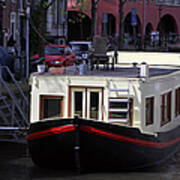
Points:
x=139, y=17
x=13, y=22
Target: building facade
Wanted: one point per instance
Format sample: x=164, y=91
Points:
x=57, y=21
x=13, y=23
x=139, y=17
x=67, y=21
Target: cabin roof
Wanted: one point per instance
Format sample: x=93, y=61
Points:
x=131, y=72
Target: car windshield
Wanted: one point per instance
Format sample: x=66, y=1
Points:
x=79, y=47
x=49, y=50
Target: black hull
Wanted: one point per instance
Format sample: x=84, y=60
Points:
x=97, y=146
x=49, y=147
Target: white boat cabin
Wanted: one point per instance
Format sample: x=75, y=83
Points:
x=144, y=97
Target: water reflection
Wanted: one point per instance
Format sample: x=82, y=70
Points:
x=16, y=164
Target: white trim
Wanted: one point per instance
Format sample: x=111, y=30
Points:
x=73, y=90
x=89, y=90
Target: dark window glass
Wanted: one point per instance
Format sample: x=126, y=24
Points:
x=78, y=98
x=50, y=107
x=94, y=105
x=165, y=108
x=118, y=110
x=149, y=110
x=118, y=115
x=80, y=47
x=54, y=50
x=177, y=100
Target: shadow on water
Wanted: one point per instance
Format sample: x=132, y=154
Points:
x=15, y=164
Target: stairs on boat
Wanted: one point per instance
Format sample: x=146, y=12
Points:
x=13, y=109
x=119, y=108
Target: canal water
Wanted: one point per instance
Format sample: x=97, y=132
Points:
x=15, y=164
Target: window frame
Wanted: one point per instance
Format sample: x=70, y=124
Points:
x=86, y=99
x=149, y=121
x=177, y=102
x=89, y=107
x=130, y=112
x=61, y=98
x=166, y=104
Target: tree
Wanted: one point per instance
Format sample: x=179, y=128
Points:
x=38, y=21
x=81, y=5
x=93, y=16
x=38, y=25
x=39, y=18
x=121, y=24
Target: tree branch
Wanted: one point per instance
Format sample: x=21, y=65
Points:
x=50, y=4
x=45, y=5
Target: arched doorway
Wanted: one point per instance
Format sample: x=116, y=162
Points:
x=167, y=25
x=111, y=25
x=168, y=28
x=108, y=24
x=79, y=26
x=148, y=30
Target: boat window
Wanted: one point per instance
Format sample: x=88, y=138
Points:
x=94, y=105
x=120, y=110
x=165, y=108
x=177, y=100
x=86, y=102
x=78, y=104
x=50, y=106
x=149, y=110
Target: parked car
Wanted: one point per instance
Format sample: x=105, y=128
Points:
x=6, y=60
x=59, y=55
x=82, y=49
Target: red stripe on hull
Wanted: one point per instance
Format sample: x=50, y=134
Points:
x=52, y=131
x=118, y=137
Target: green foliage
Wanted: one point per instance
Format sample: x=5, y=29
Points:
x=79, y=4
x=37, y=26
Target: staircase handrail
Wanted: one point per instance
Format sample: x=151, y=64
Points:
x=11, y=94
x=15, y=101
x=16, y=83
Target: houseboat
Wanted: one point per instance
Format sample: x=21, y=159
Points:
x=102, y=119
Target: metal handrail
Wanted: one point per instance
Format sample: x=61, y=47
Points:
x=15, y=82
x=12, y=95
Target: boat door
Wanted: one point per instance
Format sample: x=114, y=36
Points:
x=86, y=102
x=78, y=102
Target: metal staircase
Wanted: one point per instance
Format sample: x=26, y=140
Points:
x=122, y=105
x=13, y=109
